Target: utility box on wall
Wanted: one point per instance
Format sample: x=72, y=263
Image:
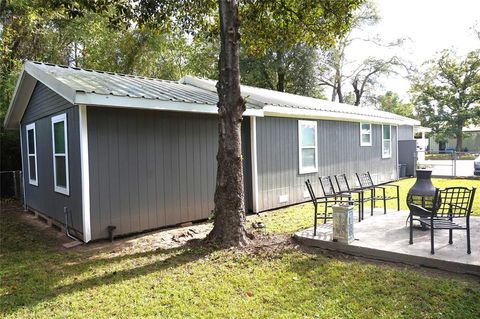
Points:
x=343, y=223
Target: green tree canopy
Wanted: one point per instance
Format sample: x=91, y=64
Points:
x=447, y=94
x=391, y=102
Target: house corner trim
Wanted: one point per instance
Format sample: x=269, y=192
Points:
x=85, y=171
x=253, y=145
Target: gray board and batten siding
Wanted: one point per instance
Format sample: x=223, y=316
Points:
x=405, y=133
x=150, y=169
x=339, y=152
x=43, y=105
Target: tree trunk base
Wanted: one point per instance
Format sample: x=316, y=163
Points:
x=220, y=238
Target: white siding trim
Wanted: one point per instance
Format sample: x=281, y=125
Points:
x=85, y=171
x=361, y=135
x=301, y=169
x=59, y=189
x=23, y=170
x=396, y=157
x=29, y=127
x=253, y=145
x=383, y=140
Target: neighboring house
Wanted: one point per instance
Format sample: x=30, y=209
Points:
x=139, y=153
x=471, y=141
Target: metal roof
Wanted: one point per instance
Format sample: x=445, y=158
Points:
x=109, y=83
x=286, y=100
x=190, y=94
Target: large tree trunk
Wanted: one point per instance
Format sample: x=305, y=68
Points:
x=357, y=92
x=228, y=229
x=281, y=81
x=459, y=146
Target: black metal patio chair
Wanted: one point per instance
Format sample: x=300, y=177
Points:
x=344, y=188
x=449, y=204
x=315, y=202
x=338, y=197
x=366, y=183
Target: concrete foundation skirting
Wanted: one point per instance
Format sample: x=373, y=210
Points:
x=390, y=256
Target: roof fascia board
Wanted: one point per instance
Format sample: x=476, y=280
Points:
x=20, y=98
x=51, y=82
x=150, y=104
x=273, y=110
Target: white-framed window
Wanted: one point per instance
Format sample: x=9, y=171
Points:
x=60, y=153
x=32, y=154
x=365, y=134
x=307, y=147
x=386, y=141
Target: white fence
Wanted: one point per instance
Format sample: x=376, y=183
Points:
x=454, y=164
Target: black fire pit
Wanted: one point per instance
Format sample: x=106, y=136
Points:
x=422, y=193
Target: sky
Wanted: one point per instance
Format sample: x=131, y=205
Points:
x=429, y=27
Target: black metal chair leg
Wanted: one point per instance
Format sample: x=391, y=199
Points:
x=432, y=240
x=363, y=205
x=373, y=197
x=398, y=199
x=469, y=251
x=384, y=203
x=411, y=229
x=315, y=223
x=325, y=215
x=450, y=236
x=372, y=201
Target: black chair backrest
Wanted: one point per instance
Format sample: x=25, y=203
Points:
x=454, y=201
x=342, y=183
x=327, y=186
x=365, y=180
x=310, y=191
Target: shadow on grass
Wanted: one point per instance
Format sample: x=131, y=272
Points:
x=32, y=269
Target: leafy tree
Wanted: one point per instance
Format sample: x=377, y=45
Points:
x=336, y=71
x=293, y=72
x=39, y=30
x=391, y=102
x=265, y=25
x=447, y=94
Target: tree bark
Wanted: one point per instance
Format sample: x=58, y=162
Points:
x=281, y=81
x=356, y=91
x=459, y=146
x=228, y=229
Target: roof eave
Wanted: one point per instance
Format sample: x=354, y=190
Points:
x=20, y=98
x=281, y=111
x=93, y=99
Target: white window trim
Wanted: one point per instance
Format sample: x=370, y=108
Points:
x=30, y=180
x=60, y=189
x=301, y=169
x=389, y=155
x=369, y=134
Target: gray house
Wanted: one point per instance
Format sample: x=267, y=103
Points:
x=137, y=153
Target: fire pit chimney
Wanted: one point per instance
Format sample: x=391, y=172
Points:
x=422, y=193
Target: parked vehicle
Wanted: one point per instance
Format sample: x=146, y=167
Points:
x=476, y=166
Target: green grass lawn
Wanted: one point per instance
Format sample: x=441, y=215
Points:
x=38, y=280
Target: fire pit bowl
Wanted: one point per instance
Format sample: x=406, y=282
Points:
x=422, y=193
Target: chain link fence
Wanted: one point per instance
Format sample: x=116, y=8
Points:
x=11, y=184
